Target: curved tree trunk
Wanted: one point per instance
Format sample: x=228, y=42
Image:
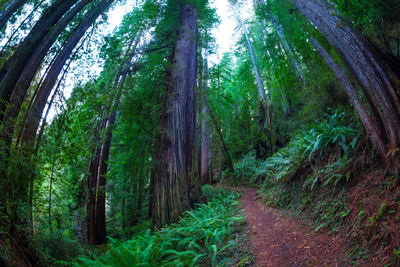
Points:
x=96, y=208
x=35, y=114
x=34, y=62
x=369, y=123
x=13, y=68
x=8, y=10
x=174, y=185
x=9, y=75
x=378, y=81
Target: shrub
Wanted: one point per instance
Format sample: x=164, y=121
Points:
x=309, y=146
x=55, y=246
x=200, y=238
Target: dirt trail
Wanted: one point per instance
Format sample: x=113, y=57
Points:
x=281, y=240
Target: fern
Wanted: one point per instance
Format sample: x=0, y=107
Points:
x=198, y=239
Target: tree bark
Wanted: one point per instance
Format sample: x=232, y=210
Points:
x=174, y=183
x=17, y=30
x=378, y=81
x=102, y=173
x=8, y=10
x=96, y=210
x=91, y=199
x=265, y=118
x=295, y=63
x=204, y=162
x=14, y=67
x=34, y=62
x=368, y=122
x=257, y=75
x=225, y=148
x=35, y=114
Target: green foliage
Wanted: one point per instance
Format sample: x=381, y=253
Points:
x=330, y=174
x=55, y=246
x=276, y=196
x=246, y=169
x=308, y=146
x=201, y=237
x=311, y=145
x=330, y=212
x=376, y=19
x=317, y=157
x=332, y=131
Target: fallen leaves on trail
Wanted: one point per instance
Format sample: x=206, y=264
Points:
x=279, y=240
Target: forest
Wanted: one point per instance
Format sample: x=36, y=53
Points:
x=140, y=133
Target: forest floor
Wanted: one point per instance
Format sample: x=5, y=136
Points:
x=280, y=239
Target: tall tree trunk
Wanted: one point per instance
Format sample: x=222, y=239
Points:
x=17, y=30
x=8, y=10
x=378, y=81
x=295, y=63
x=257, y=75
x=204, y=165
x=225, y=148
x=91, y=231
x=299, y=71
x=174, y=185
x=96, y=210
x=14, y=67
x=265, y=119
x=32, y=66
x=368, y=122
x=102, y=172
x=35, y=114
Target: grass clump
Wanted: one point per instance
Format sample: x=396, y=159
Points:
x=204, y=236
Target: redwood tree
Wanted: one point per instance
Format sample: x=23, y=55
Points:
x=205, y=145
x=44, y=90
x=175, y=186
x=37, y=55
x=368, y=122
x=30, y=53
x=8, y=10
x=378, y=81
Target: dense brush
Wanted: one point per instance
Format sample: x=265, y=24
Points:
x=200, y=238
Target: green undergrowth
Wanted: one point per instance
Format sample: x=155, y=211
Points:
x=322, y=174
x=337, y=135
x=306, y=174
x=209, y=235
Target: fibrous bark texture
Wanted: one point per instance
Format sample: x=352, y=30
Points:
x=377, y=79
x=35, y=114
x=369, y=123
x=37, y=55
x=13, y=68
x=174, y=185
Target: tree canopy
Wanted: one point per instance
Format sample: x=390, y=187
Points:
x=105, y=134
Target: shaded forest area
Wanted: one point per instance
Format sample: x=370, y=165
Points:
x=129, y=147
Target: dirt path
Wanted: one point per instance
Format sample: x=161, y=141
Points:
x=281, y=240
